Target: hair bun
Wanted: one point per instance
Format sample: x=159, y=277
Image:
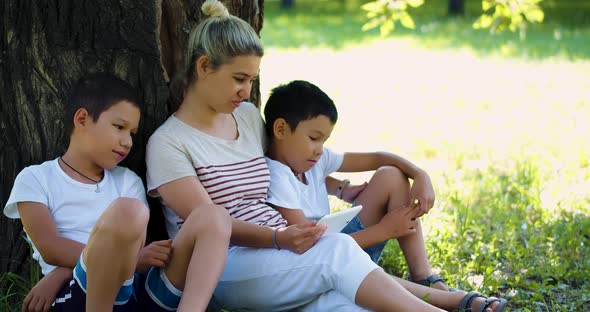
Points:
x=214, y=8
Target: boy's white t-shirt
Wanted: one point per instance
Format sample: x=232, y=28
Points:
x=288, y=192
x=74, y=206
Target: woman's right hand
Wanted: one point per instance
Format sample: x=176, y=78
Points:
x=399, y=222
x=300, y=237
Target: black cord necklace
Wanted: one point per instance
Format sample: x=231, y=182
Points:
x=85, y=176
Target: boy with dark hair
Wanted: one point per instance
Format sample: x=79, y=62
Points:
x=299, y=118
x=86, y=218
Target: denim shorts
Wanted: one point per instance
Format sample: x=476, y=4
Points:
x=356, y=225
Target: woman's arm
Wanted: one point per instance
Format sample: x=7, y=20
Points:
x=41, y=228
x=187, y=194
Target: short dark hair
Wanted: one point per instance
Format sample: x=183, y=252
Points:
x=97, y=93
x=295, y=102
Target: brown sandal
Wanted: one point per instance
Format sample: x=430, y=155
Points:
x=465, y=304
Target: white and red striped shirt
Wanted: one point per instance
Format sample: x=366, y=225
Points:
x=233, y=172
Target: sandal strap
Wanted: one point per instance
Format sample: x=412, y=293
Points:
x=465, y=304
x=434, y=278
x=488, y=304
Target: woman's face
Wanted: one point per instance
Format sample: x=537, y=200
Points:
x=227, y=86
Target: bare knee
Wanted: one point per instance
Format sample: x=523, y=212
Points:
x=126, y=219
x=209, y=219
x=389, y=175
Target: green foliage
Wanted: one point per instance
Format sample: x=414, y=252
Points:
x=498, y=15
x=385, y=13
x=14, y=288
x=492, y=234
x=564, y=33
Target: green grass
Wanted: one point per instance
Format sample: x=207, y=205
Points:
x=565, y=32
x=500, y=124
x=14, y=288
x=492, y=232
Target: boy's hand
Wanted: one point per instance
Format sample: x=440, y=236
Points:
x=155, y=254
x=399, y=222
x=422, y=194
x=43, y=294
x=351, y=192
x=300, y=237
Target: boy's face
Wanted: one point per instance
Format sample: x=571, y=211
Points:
x=108, y=140
x=302, y=148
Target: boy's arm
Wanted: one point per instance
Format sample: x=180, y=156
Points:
x=397, y=223
x=357, y=162
x=332, y=185
x=44, y=292
x=40, y=227
x=421, y=192
x=348, y=193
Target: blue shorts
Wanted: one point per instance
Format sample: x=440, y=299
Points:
x=356, y=225
x=142, y=292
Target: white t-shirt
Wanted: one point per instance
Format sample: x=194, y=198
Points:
x=74, y=206
x=233, y=172
x=288, y=192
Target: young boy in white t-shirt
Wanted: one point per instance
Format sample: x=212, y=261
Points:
x=86, y=218
x=299, y=119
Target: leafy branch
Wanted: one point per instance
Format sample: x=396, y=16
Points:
x=498, y=15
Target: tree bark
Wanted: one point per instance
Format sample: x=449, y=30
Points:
x=47, y=45
x=456, y=7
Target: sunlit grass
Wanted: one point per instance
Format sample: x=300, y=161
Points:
x=436, y=106
x=501, y=127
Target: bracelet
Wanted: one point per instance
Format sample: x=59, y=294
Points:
x=274, y=239
x=341, y=187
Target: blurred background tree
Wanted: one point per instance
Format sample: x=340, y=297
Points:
x=497, y=16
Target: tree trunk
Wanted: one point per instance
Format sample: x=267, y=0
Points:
x=456, y=7
x=47, y=45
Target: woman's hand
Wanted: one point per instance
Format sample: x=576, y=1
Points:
x=422, y=194
x=351, y=192
x=43, y=294
x=300, y=237
x=155, y=254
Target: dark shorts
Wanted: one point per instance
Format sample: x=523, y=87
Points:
x=143, y=292
x=356, y=225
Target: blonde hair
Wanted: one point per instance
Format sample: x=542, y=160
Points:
x=214, y=8
x=220, y=38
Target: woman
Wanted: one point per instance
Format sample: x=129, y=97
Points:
x=210, y=152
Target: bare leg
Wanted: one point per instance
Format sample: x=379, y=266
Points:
x=443, y=299
x=382, y=292
x=111, y=253
x=389, y=189
x=198, y=257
